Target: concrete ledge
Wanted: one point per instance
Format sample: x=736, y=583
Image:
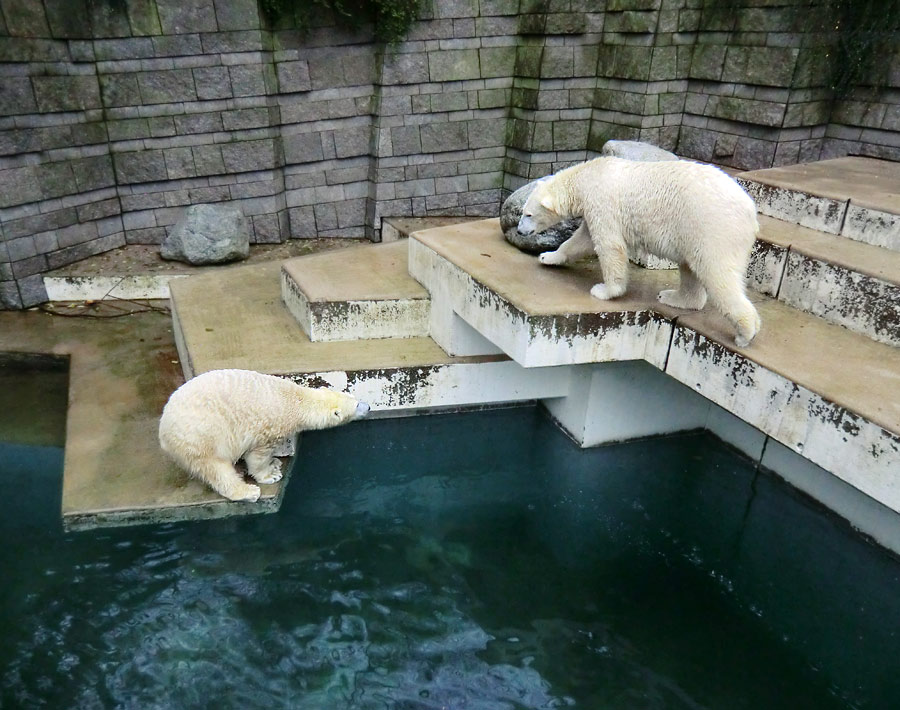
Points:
x=96, y=288
x=830, y=395
x=844, y=282
x=858, y=198
x=368, y=295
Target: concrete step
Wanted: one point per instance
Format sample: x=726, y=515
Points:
x=826, y=393
x=362, y=293
x=857, y=198
x=845, y=282
x=136, y=271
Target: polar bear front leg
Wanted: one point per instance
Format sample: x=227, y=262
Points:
x=613, y=257
x=224, y=479
x=261, y=466
x=690, y=294
x=576, y=247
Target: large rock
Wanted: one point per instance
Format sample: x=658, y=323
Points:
x=208, y=234
x=551, y=238
x=548, y=240
x=636, y=150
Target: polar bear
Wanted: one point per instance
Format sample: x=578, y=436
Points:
x=218, y=417
x=693, y=214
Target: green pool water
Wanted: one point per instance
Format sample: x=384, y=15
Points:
x=474, y=560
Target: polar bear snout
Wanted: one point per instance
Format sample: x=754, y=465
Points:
x=526, y=226
x=362, y=409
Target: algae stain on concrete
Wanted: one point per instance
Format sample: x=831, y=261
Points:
x=33, y=399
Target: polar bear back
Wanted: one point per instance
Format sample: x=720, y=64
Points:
x=665, y=207
x=223, y=413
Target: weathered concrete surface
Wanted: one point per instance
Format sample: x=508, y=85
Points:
x=136, y=271
x=867, y=182
x=842, y=281
x=858, y=198
x=831, y=395
x=122, y=371
x=394, y=228
x=541, y=316
x=239, y=321
x=826, y=393
x=369, y=295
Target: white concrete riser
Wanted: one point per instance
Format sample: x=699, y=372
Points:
x=843, y=217
x=858, y=451
x=355, y=320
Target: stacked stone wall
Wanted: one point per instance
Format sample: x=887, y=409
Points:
x=116, y=114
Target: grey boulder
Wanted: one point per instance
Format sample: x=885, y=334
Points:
x=208, y=234
x=636, y=150
x=548, y=240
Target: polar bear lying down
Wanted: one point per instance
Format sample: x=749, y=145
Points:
x=221, y=416
x=690, y=213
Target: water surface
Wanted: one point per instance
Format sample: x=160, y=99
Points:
x=477, y=560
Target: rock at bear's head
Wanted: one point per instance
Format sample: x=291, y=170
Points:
x=548, y=240
x=551, y=238
x=208, y=234
x=636, y=150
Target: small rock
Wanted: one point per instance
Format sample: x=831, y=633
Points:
x=208, y=234
x=636, y=150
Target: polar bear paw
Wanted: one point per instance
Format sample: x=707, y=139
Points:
x=552, y=258
x=245, y=493
x=604, y=292
x=677, y=299
x=270, y=474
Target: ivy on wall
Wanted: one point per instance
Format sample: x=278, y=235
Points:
x=391, y=19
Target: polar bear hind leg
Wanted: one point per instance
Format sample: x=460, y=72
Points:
x=729, y=297
x=690, y=294
x=224, y=479
x=262, y=466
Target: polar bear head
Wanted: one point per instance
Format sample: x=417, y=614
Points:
x=540, y=210
x=327, y=408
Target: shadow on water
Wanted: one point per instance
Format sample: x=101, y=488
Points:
x=458, y=561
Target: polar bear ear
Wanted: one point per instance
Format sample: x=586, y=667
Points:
x=548, y=203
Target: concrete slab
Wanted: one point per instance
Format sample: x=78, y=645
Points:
x=867, y=182
x=828, y=394
x=394, y=228
x=364, y=294
x=865, y=259
x=136, y=271
x=845, y=282
x=121, y=372
x=858, y=198
x=842, y=367
x=241, y=322
x=853, y=371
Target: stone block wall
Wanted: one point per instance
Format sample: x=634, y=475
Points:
x=116, y=114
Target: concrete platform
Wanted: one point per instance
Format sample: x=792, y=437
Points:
x=370, y=295
x=138, y=272
x=121, y=372
x=858, y=198
x=842, y=281
x=830, y=395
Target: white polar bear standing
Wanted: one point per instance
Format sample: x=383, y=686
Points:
x=693, y=214
x=221, y=416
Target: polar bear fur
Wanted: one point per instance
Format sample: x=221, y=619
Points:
x=692, y=214
x=221, y=416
